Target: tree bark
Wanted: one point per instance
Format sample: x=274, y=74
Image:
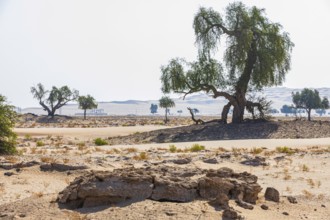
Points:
x=225, y=111
x=84, y=114
x=165, y=115
x=309, y=114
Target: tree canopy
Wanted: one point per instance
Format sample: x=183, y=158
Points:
x=153, y=108
x=87, y=102
x=309, y=99
x=257, y=55
x=7, y=121
x=166, y=102
x=55, y=98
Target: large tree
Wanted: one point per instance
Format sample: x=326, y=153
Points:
x=86, y=102
x=309, y=99
x=55, y=98
x=257, y=55
x=166, y=102
x=7, y=122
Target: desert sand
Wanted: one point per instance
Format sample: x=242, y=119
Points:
x=30, y=184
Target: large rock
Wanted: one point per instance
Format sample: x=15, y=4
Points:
x=161, y=184
x=272, y=194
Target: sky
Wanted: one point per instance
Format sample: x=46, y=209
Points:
x=113, y=50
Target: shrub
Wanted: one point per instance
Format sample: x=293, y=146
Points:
x=285, y=150
x=172, y=148
x=197, y=147
x=7, y=122
x=100, y=142
x=40, y=143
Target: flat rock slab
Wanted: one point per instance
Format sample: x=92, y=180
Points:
x=161, y=183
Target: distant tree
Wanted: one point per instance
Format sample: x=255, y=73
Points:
x=309, y=99
x=179, y=112
x=257, y=55
x=320, y=111
x=286, y=109
x=153, y=108
x=166, y=102
x=7, y=121
x=86, y=102
x=55, y=98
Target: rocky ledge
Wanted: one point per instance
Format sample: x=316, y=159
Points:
x=174, y=184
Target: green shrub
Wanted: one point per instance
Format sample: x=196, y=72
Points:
x=7, y=121
x=285, y=150
x=172, y=148
x=197, y=147
x=100, y=142
x=40, y=143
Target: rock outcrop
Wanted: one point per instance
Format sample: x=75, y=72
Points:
x=174, y=184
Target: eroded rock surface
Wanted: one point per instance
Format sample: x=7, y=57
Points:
x=161, y=184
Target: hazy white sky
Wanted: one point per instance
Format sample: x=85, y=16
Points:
x=113, y=49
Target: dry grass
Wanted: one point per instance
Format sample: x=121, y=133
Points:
x=38, y=194
x=47, y=159
x=311, y=183
x=307, y=194
x=305, y=168
x=11, y=159
x=256, y=150
x=131, y=150
x=141, y=156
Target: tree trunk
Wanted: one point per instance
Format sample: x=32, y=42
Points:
x=165, y=115
x=84, y=114
x=239, y=107
x=309, y=114
x=225, y=111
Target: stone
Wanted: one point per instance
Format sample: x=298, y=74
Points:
x=230, y=214
x=8, y=173
x=211, y=160
x=221, y=200
x=174, y=189
x=244, y=204
x=285, y=213
x=61, y=167
x=212, y=187
x=292, y=199
x=264, y=207
x=182, y=161
x=272, y=194
x=257, y=161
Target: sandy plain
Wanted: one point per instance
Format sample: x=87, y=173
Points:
x=30, y=192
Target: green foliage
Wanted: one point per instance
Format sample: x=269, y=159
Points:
x=40, y=143
x=286, y=109
x=100, y=142
x=172, y=148
x=309, y=99
x=55, y=98
x=166, y=102
x=257, y=55
x=196, y=148
x=86, y=102
x=285, y=150
x=7, y=122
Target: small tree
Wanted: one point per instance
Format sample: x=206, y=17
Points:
x=86, y=102
x=309, y=99
x=166, y=102
x=55, y=98
x=7, y=122
x=153, y=108
x=286, y=109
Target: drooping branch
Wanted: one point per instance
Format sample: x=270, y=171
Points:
x=197, y=121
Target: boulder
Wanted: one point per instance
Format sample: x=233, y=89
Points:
x=272, y=194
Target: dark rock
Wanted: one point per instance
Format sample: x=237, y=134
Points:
x=257, y=161
x=292, y=199
x=8, y=173
x=211, y=160
x=212, y=187
x=181, y=161
x=61, y=167
x=244, y=204
x=221, y=200
x=225, y=155
x=264, y=207
x=272, y=194
x=170, y=213
x=285, y=213
x=230, y=214
x=9, y=166
x=323, y=206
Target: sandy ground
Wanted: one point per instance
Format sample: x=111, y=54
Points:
x=30, y=193
x=86, y=133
